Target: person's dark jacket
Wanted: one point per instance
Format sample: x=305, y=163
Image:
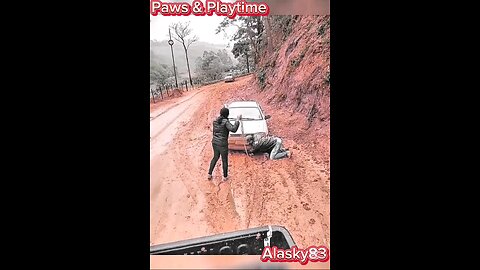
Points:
x=221, y=128
x=263, y=143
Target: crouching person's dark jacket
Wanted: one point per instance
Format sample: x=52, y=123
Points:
x=263, y=143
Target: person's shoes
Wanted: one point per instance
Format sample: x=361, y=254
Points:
x=224, y=179
x=209, y=177
x=289, y=154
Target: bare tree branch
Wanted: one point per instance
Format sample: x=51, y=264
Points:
x=177, y=39
x=182, y=31
x=192, y=40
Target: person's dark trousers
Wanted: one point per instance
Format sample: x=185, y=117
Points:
x=217, y=152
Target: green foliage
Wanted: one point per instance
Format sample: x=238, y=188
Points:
x=213, y=65
x=242, y=62
x=323, y=27
x=159, y=73
x=283, y=24
x=262, y=79
x=248, y=35
x=296, y=62
x=240, y=48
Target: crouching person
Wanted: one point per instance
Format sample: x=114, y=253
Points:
x=272, y=145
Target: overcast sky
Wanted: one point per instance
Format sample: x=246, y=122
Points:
x=202, y=26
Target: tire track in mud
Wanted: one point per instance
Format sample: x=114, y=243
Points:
x=193, y=154
x=277, y=192
x=176, y=104
x=221, y=209
x=175, y=200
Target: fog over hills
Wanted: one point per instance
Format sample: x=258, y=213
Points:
x=160, y=53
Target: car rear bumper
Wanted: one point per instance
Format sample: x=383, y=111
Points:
x=237, y=143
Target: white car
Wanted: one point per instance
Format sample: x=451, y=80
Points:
x=229, y=78
x=253, y=121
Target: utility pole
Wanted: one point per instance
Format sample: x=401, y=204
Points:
x=170, y=42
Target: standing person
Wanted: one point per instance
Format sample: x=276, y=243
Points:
x=221, y=129
x=272, y=145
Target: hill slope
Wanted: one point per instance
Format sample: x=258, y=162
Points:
x=294, y=76
x=162, y=54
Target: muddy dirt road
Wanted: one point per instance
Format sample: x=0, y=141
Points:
x=294, y=193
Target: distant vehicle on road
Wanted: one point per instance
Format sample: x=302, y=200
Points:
x=253, y=122
x=229, y=77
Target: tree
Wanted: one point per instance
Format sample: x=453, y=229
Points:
x=242, y=48
x=212, y=65
x=182, y=31
x=159, y=73
x=249, y=30
x=225, y=58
